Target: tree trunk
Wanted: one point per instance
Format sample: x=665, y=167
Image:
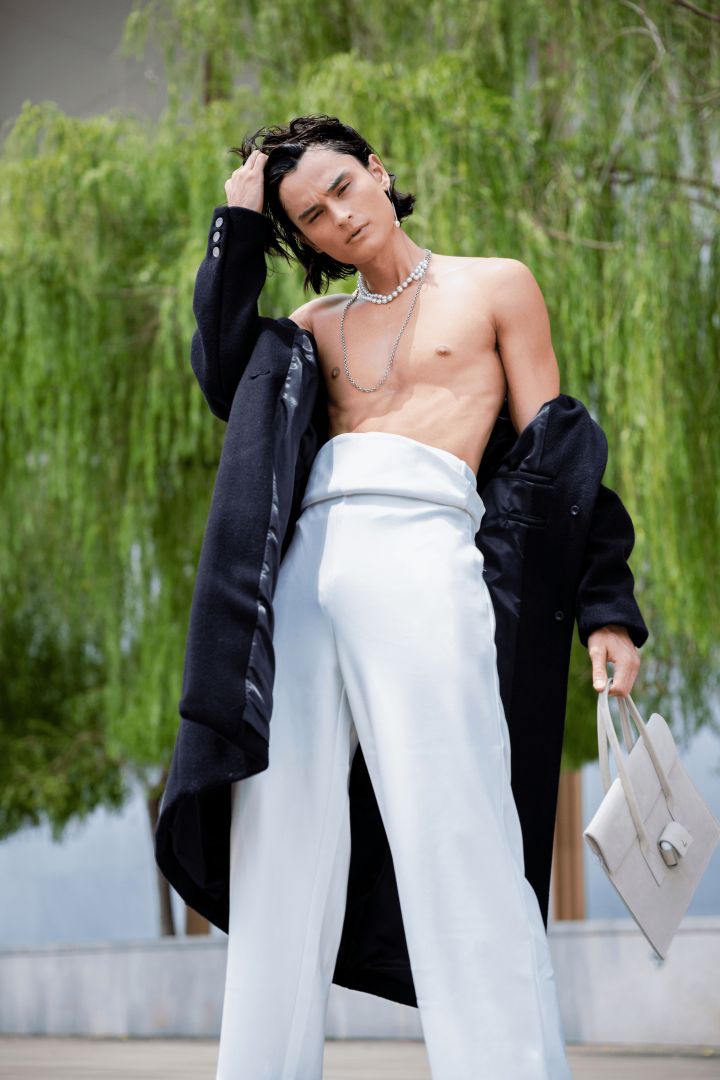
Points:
x=167, y=921
x=568, y=866
x=195, y=923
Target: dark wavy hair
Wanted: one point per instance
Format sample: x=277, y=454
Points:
x=284, y=147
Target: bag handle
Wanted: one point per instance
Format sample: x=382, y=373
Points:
x=625, y=724
x=606, y=731
x=623, y=703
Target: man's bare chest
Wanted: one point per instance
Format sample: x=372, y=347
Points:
x=446, y=341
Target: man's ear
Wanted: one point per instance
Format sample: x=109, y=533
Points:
x=376, y=167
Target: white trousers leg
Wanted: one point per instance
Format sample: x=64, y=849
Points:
x=384, y=631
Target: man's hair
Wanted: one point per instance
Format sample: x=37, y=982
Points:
x=284, y=147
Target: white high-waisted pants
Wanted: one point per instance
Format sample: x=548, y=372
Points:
x=385, y=630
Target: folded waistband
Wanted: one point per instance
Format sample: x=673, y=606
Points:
x=385, y=463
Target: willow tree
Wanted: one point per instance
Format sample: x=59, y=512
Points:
x=579, y=138
x=576, y=137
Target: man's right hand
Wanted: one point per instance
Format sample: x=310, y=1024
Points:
x=246, y=186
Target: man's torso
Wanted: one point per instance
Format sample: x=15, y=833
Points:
x=447, y=382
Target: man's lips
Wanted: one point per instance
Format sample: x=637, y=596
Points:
x=356, y=233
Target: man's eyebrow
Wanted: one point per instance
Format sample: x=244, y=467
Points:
x=338, y=179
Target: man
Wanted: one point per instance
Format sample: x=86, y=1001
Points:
x=482, y=334
x=383, y=626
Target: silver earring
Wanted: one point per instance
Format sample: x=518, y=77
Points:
x=397, y=220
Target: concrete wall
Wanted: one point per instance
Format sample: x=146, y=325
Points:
x=612, y=988
x=69, y=53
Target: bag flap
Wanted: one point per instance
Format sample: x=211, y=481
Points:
x=611, y=832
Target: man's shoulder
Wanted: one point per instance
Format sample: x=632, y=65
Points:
x=488, y=263
x=486, y=266
x=507, y=270
x=307, y=313
x=503, y=279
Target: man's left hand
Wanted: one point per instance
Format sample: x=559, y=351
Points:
x=613, y=644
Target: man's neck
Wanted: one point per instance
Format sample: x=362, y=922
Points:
x=392, y=266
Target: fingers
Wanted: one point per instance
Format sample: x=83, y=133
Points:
x=245, y=185
x=625, y=660
x=624, y=675
x=599, y=658
x=255, y=157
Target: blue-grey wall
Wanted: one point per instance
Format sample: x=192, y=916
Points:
x=99, y=883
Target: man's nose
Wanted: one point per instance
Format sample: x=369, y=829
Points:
x=342, y=219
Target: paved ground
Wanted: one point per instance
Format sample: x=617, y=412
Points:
x=24, y=1058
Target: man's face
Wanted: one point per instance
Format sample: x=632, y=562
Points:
x=326, y=218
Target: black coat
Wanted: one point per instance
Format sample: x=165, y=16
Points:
x=555, y=540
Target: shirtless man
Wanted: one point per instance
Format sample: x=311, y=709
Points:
x=384, y=636
x=480, y=332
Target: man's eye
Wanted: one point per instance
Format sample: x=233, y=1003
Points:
x=340, y=191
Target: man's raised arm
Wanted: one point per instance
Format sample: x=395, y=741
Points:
x=227, y=286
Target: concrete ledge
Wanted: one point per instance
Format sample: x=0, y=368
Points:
x=612, y=988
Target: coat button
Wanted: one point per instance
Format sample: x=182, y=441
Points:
x=218, y=222
x=574, y=509
x=216, y=236
x=216, y=251
x=559, y=615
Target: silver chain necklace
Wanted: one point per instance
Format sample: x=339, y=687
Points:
x=417, y=274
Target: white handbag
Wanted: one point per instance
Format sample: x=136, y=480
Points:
x=653, y=833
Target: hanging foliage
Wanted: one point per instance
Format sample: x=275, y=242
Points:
x=576, y=137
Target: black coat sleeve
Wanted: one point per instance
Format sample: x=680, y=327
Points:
x=606, y=591
x=227, y=286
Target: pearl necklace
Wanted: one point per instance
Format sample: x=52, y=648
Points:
x=387, y=298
